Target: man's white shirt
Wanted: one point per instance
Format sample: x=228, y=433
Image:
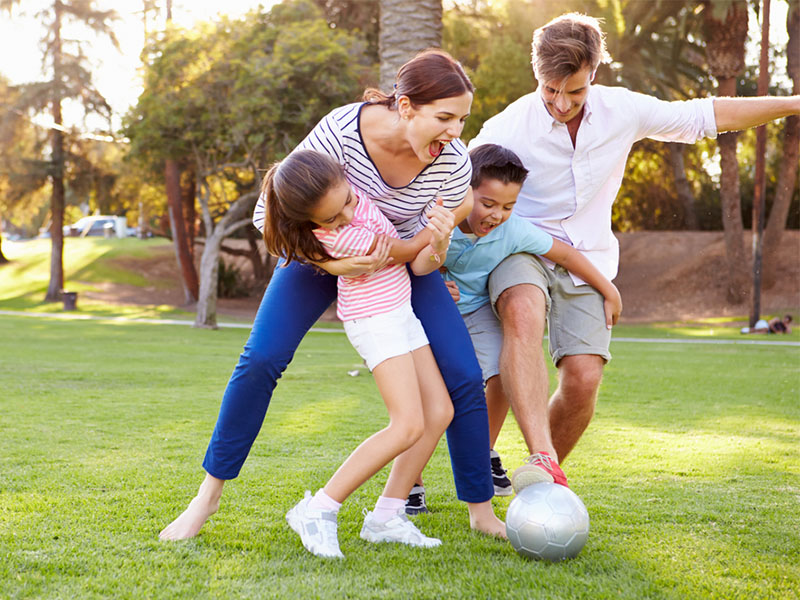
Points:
x=569, y=191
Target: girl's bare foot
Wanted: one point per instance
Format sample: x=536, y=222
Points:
x=483, y=519
x=202, y=506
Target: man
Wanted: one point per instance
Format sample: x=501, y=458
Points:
x=574, y=138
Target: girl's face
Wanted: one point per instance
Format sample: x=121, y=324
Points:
x=335, y=208
x=431, y=127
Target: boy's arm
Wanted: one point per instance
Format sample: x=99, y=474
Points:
x=574, y=262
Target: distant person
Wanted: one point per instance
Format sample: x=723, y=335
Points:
x=402, y=150
x=774, y=325
x=314, y=214
x=574, y=138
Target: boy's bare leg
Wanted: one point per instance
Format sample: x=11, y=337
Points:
x=497, y=405
x=201, y=507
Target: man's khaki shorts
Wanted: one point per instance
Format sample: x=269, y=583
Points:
x=576, y=322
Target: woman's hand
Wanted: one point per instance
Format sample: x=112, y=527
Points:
x=441, y=222
x=360, y=265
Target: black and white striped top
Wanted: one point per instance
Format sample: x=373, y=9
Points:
x=447, y=177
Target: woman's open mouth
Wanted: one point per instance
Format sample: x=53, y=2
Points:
x=435, y=148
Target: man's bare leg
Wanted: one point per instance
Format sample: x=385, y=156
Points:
x=201, y=507
x=572, y=404
x=522, y=365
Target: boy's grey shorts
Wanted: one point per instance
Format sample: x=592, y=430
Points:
x=576, y=321
x=486, y=334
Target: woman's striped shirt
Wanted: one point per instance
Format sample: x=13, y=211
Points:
x=447, y=177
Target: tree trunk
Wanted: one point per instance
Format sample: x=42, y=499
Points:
x=682, y=186
x=57, y=200
x=172, y=176
x=787, y=174
x=406, y=28
x=3, y=259
x=188, y=189
x=206, y=316
x=725, y=26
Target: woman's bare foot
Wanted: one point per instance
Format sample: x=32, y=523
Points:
x=483, y=519
x=202, y=506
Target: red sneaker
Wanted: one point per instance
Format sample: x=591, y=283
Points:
x=539, y=467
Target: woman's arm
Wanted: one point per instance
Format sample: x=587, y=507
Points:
x=440, y=224
x=377, y=258
x=574, y=262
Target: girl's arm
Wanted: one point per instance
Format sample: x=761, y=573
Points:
x=353, y=266
x=574, y=262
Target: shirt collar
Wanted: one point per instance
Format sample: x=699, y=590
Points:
x=542, y=109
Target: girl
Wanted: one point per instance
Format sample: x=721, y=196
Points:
x=401, y=149
x=313, y=213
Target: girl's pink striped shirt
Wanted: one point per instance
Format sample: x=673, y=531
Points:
x=372, y=293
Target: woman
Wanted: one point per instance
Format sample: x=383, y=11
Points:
x=403, y=151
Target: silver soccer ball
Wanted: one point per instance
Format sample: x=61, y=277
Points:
x=547, y=521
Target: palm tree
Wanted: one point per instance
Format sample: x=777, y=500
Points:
x=69, y=79
x=406, y=28
x=787, y=175
x=725, y=23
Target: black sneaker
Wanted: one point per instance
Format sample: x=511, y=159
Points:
x=416, y=500
x=502, y=484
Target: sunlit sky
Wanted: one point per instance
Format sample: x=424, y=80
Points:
x=115, y=72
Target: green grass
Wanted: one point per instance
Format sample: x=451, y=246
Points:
x=690, y=472
x=88, y=263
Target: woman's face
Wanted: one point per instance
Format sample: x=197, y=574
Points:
x=430, y=127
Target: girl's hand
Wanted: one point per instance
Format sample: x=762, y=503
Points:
x=360, y=265
x=612, y=305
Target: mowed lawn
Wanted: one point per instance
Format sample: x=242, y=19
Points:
x=690, y=472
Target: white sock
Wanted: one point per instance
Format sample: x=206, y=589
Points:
x=321, y=501
x=388, y=508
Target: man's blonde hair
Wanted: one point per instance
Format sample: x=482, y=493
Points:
x=565, y=45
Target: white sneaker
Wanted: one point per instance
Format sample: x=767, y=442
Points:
x=397, y=529
x=316, y=528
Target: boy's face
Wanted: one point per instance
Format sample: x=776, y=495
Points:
x=494, y=201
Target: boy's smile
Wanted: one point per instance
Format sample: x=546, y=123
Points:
x=494, y=201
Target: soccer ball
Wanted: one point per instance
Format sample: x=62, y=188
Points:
x=547, y=521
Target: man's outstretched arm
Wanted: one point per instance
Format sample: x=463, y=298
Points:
x=733, y=114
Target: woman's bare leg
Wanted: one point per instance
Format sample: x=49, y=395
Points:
x=201, y=507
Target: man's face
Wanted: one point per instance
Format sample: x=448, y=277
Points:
x=564, y=99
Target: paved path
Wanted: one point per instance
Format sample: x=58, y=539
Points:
x=82, y=317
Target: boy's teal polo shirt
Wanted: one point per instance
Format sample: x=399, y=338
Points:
x=469, y=265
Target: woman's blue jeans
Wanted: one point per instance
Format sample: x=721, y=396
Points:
x=296, y=297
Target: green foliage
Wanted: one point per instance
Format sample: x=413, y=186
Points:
x=689, y=472
x=246, y=90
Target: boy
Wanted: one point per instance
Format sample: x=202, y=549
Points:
x=479, y=243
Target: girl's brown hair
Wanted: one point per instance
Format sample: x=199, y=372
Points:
x=291, y=189
x=431, y=75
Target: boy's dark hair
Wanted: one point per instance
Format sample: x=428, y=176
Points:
x=491, y=161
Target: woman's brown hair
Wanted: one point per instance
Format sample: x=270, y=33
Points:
x=431, y=75
x=291, y=189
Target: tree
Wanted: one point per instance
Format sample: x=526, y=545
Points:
x=787, y=174
x=234, y=96
x=725, y=24
x=406, y=28
x=69, y=78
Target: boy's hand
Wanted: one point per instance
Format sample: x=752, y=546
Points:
x=453, y=289
x=612, y=306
